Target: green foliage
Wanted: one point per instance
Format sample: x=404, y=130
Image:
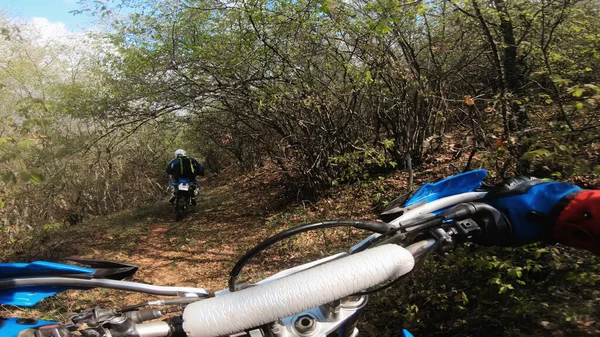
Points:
x=300, y=83
x=474, y=286
x=329, y=92
x=60, y=159
x=560, y=153
x=355, y=166
x=275, y=80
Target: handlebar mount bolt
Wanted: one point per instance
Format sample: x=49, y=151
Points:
x=445, y=238
x=121, y=324
x=354, y=301
x=277, y=329
x=331, y=310
x=305, y=324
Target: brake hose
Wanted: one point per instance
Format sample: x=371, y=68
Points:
x=373, y=226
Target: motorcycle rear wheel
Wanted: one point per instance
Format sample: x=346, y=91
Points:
x=181, y=204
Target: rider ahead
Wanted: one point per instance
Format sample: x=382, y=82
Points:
x=186, y=168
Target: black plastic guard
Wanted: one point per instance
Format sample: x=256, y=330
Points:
x=108, y=269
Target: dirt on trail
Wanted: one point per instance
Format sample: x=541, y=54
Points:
x=198, y=251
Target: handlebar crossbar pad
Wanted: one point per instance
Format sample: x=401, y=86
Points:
x=258, y=305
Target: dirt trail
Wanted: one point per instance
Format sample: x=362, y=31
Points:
x=196, y=252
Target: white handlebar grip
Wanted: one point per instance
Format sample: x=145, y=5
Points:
x=258, y=305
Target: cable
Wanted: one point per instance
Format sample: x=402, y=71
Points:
x=373, y=226
x=132, y=307
x=458, y=212
x=168, y=301
x=388, y=237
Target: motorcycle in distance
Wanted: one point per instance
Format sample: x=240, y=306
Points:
x=318, y=299
x=185, y=192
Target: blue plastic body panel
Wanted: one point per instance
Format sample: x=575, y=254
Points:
x=10, y=328
x=457, y=184
x=184, y=180
x=405, y=333
x=39, y=268
x=29, y=296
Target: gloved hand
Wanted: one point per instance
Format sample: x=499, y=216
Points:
x=551, y=210
x=578, y=223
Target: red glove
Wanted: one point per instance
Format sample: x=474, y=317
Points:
x=578, y=224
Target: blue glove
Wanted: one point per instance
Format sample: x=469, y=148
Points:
x=531, y=205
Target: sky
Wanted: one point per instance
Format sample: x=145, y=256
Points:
x=55, y=12
x=49, y=23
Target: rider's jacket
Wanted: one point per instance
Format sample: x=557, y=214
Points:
x=185, y=167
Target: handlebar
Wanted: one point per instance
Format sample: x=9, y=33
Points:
x=258, y=305
x=101, y=283
x=331, y=281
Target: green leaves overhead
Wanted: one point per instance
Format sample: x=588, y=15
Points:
x=299, y=82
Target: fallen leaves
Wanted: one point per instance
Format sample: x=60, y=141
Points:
x=469, y=100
